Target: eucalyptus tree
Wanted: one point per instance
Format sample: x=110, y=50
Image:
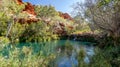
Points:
x=104, y=14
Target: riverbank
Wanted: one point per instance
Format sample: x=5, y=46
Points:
x=81, y=37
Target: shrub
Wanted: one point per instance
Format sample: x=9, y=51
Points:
x=4, y=42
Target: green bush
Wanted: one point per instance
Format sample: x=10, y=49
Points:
x=98, y=60
x=4, y=42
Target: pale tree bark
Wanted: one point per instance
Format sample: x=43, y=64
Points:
x=106, y=18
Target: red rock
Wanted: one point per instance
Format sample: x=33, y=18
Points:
x=19, y=2
x=71, y=27
x=61, y=24
x=65, y=16
x=29, y=8
x=22, y=20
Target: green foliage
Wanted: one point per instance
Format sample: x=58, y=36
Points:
x=3, y=28
x=11, y=7
x=45, y=11
x=28, y=60
x=107, y=2
x=10, y=11
x=82, y=28
x=107, y=57
x=62, y=24
x=16, y=30
x=104, y=2
x=112, y=54
x=4, y=42
x=32, y=31
x=80, y=57
x=98, y=60
x=103, y=16
x=37, y=32
x=68, y=48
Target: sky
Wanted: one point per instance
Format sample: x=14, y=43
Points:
x=60, y=5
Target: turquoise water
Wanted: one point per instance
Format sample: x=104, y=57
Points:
x=69, y=61
x=65, y=58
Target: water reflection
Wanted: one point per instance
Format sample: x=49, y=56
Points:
x=66, y=50
x=65, y=60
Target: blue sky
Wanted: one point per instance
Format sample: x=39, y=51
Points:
x=60, y=5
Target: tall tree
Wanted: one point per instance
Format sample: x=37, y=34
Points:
x=105, y=17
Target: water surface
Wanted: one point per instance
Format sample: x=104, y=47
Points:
x=66, y=51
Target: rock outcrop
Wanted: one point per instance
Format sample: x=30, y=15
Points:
x=19, y=2
x=65, y=16
x=29, y=10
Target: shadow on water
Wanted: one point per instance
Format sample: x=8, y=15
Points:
x=67, y=51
